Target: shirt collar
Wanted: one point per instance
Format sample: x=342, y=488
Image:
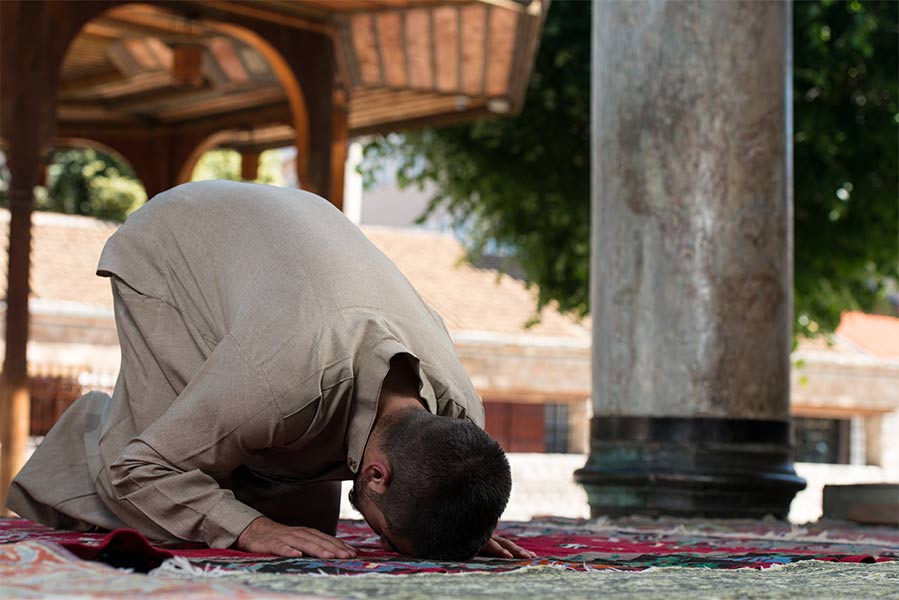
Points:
x=372, y=365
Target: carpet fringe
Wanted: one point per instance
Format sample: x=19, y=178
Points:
x=181, y=568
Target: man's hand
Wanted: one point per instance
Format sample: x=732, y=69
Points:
x=503, y=548
x=264, y=536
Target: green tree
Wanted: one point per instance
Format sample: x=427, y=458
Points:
x=846, y=116
x=86, y=182
x=96, y=184
x=523, y=182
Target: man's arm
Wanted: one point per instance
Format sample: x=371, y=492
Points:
x=167, y=474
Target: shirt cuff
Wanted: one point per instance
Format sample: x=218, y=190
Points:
x=226, y=521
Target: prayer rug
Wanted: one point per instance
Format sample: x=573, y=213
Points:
x=620, y=545
x=35, y=569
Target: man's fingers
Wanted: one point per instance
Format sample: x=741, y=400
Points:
x=334, y=544
x=310, y=548
x=316, y=546
x=287, y=550
x=513, y=548
x=493, y=548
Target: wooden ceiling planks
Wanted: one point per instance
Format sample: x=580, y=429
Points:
x=446, y=44
x=142, y=83
x=213, y=102
x=390, y=32
x=385, y=109
x=467, y=48
x=419, y=49
x=366, y=50
x=474, y=51
x=502, y=24
x=400, y=60
x=229, y=62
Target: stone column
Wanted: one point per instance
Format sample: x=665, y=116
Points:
x=692, y=259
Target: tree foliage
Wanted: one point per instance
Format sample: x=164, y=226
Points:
x=88, y=182
x=846, y=118
x=85, y=181
x=523, y=182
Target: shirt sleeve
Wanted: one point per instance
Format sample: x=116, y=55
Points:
x=168, y=473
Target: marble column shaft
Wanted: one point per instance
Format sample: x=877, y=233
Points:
x=691, y=259
x=692, y=225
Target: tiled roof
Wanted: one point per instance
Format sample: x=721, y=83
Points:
x=872, y=334
x=65, y=251
x=64, y=254
x=66, y=248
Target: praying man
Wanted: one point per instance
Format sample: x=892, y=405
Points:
x=270, y=351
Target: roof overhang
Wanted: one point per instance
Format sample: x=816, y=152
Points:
x=401, y=63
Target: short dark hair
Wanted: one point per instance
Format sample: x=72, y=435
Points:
x=449, y=484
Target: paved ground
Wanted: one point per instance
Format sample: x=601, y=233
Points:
x=543, y=485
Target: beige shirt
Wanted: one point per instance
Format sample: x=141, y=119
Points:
x=297, y=314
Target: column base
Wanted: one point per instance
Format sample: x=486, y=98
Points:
x=689, y=466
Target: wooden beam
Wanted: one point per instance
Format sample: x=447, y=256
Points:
x=153, y=101
x=278, y=112
x=151, y=21
x=530, y=26
x=30, y=56
x=173, y=104
x=130, y=128
x=138, y=84
x=91, y=112
x=249, y=165
x=221, y=104
x=403, y=107
x=15, y=404
x=73, y=88
x=339, y=146
x=271, y=16
x=258, y=139
x=473, y=111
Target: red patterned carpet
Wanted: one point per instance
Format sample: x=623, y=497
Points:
x=627, y=545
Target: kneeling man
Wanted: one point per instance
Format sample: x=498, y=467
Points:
x=269, y=351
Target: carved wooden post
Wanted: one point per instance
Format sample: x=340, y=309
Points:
x=249, y=165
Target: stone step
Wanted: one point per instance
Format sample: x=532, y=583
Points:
x=869, y=503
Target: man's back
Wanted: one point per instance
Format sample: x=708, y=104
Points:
x=218, y=249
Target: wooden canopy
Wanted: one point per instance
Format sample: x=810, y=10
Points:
x=162, y=81
x=199, y=67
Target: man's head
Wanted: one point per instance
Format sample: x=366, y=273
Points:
x=432, y=486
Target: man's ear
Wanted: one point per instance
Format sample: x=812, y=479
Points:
x=377, y=474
